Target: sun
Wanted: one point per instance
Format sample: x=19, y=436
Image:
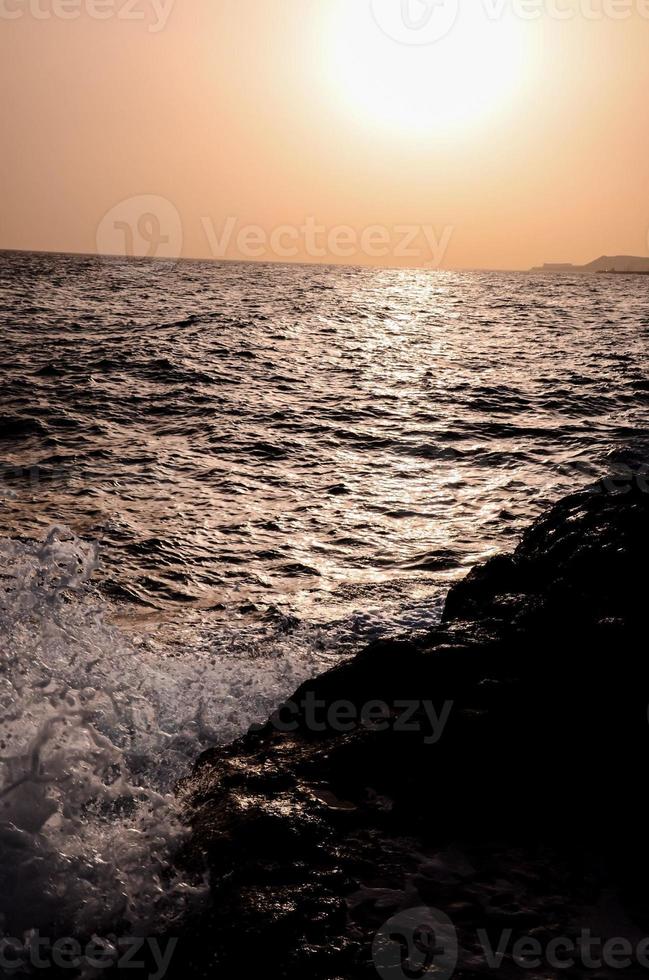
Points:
x=447, y=68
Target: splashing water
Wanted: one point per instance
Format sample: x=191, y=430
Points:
x=97, y=728
x=87, y=820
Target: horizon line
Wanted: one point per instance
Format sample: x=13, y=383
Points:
x=235, y=261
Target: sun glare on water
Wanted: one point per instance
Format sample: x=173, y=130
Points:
x=425, y=66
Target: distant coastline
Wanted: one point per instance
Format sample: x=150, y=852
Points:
x=620, y=264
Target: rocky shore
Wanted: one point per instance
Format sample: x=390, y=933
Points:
x=492, y=772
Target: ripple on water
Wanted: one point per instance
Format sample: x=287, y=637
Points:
x=294, y=430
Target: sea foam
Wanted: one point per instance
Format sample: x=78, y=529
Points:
x=97, y=727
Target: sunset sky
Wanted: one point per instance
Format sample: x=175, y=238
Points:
x=507, y=142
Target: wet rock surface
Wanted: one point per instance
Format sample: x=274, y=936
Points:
x=505, y=788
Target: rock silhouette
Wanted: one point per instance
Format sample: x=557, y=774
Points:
x=526, y=813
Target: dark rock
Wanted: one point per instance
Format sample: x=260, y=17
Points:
x=522, y=814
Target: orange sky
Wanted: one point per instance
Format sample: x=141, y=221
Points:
x=305, y=130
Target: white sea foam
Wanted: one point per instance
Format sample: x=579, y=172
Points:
x=96, y=729
x=88, y=751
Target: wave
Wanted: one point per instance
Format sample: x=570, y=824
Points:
x=97, y=728
x=88, y=820
x=18, y=427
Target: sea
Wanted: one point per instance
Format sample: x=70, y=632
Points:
x=218, y=480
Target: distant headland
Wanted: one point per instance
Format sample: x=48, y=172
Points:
x=633, y=264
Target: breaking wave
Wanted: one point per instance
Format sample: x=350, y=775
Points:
x=97, y=727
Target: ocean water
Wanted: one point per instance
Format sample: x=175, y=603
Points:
x=219, y=479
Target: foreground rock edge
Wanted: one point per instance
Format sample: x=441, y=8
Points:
x=526, y=811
